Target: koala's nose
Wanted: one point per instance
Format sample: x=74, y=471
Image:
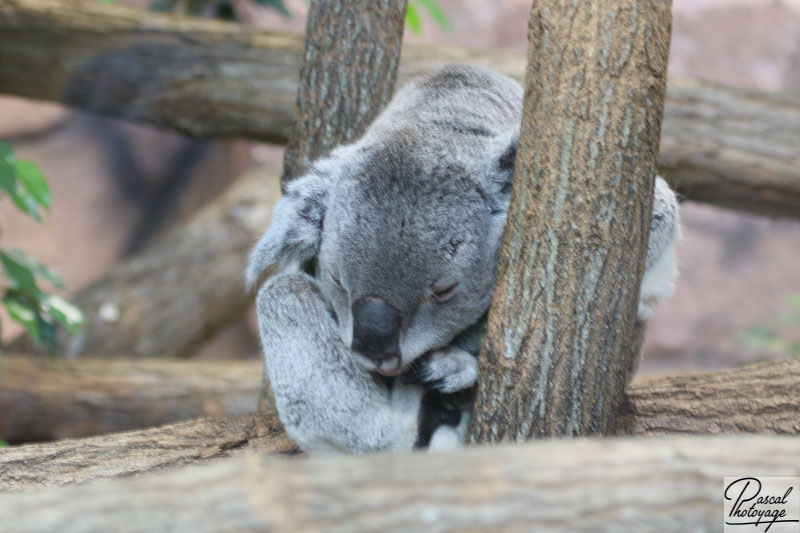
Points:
x=376, y=332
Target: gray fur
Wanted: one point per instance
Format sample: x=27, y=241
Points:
x=419, y=201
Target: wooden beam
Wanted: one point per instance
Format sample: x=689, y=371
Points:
x=755, y=399
x=42, y=400
x=725, y=146
x=669, y=484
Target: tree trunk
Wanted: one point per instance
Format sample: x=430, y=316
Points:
x=171, y=297
x=663, y=485
x=350, y=57
x=120, y=455
x=557, y=350
x=729, y=147
x=42, y=400
x=757, y=399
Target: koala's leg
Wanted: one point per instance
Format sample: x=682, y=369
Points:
x=326, y=402
x=661, y=266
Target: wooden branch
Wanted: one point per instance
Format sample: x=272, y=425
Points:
x=350, y=55
x=759, y=399
x=175, y=294
x=671, y=484
x=67, y=462
x=725, y=146
x=557, y=353
x=68, y=398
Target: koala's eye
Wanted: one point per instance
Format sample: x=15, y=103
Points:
x=445, y=289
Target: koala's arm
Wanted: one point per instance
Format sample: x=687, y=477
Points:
x=661, y=265
x=326, y=402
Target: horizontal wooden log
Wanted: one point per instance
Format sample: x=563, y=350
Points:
x=725, y=146
x=759, y=398
x=668, y=484
x=71, y=461
x=763, y=398
x=169, y=298
x=42, y=400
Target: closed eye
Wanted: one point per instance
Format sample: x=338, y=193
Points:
x=445, y=291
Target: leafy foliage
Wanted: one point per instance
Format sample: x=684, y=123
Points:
x=764, y=338
x=3, y=443
x=24, y=301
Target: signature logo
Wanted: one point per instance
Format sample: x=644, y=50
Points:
x=762, y=504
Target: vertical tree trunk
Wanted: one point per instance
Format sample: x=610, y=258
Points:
x=558, y=344
x=350, y=58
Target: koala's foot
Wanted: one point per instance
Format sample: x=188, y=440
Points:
x=449, y=370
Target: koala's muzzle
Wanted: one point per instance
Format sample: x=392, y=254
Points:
x=376, y=334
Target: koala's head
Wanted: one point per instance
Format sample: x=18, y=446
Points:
x=404, y=244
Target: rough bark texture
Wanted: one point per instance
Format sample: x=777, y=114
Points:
x=42, y=400
x=732, y=147
x=350, y=58
x=763, y=398
x=725, y=146
x=175, y=294
x=67, y=462
x=673, y=484
x=556, y=353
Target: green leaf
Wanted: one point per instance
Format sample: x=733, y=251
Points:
x=22, y=312
x=277, y=5
x=412, y=20
x=65, y=313
x=437, y=13
x=225, y=11
x=195, y=7
x=20, y=275
x=3, y=443
x=38, y=269
x=31, y=178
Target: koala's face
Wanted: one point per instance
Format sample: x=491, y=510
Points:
x=407, y=258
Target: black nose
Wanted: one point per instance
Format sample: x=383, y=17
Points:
x=376, y=330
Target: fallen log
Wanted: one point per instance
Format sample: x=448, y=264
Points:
x=757, y=399
x=42, y=400
x=177, y=293
x=71, y=461
x=637, y=484
x=730, y=147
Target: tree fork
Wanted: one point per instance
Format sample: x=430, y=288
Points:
x=350, y=58
x=557, y=348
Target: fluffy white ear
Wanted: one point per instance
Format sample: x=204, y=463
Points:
x=292, y=239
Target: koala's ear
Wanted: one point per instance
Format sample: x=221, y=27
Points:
x=498, y=170
x=293, y=237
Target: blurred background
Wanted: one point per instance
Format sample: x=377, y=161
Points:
x=118, y=187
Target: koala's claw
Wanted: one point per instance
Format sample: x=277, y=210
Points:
x=450, y=370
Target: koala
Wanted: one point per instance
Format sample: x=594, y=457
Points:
x=380, y=267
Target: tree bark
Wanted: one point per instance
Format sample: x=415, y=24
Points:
x=729, y=147
x=760, y=398
x=757, y=399
x=119, y=455
x=171, y=297
x=557, y=350
x=663, y=485
x=350, y=57
x=42, y=400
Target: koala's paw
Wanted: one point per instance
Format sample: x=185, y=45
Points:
x=450, y=370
